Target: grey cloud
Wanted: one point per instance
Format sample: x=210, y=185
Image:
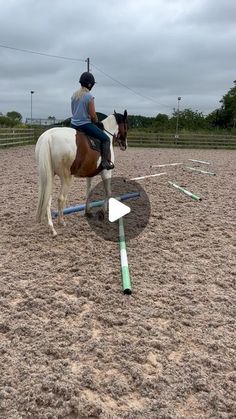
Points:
x=157, y=48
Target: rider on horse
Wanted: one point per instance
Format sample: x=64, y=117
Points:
x=84, y=117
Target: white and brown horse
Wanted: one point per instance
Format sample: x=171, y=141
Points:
x=67, y=153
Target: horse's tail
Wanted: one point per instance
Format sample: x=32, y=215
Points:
x=45, y=172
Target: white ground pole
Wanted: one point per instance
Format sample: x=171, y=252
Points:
x=147, y=176
x=200, y=161
x=167, y=164
x=201, y=171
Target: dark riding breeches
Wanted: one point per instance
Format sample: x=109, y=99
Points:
x=92, y=130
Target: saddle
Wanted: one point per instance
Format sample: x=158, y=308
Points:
x=88, y=151
x=94, y=143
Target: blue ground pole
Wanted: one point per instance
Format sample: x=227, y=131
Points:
x=94, y=204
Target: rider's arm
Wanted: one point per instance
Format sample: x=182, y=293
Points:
x=92, y=112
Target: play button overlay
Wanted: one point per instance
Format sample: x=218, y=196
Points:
x=116, y=210
x=128, y=200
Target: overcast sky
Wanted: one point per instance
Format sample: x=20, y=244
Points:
x=143, y=53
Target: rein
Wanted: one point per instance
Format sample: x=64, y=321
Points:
x=108, y=132
x=115, y=137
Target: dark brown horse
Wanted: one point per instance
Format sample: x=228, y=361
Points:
x=66, y=153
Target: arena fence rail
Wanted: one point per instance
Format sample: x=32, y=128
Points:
x=12, y=137
x=22, y=136
x=169, y=140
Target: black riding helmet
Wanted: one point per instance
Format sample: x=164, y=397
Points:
x=87, y=80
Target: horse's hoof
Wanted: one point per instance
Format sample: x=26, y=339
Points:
x=100, y=215
x=88, y=214
x=54, y=234
x=61, y=222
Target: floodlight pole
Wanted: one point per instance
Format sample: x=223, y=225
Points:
x=31, y=106
x=177, y=120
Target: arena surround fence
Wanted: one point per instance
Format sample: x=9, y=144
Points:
x=22, y=136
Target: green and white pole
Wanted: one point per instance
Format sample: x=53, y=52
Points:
x=126, y=282
x=193, y=196
x=201, y=171
x=199, y=161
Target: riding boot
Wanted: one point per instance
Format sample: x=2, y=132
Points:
x=105, y=150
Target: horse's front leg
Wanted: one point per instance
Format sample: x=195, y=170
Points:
x=106, y=177
x=88, y=211
x=65, y=187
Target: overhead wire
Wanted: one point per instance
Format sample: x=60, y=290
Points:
x=42, y=53
x=84, y=60
x=127, y=87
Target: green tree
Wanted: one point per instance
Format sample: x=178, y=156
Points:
x=140, y=122
x=14, y=116
x=215, y=119
x=228, y=108
x=189, y=120
x=6, y=122
x=161, y=122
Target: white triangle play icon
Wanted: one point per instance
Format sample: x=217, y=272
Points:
x=116, y=210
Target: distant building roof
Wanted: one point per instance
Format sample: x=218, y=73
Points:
x=42, y=121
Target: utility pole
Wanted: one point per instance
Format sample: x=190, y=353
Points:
x=88, y=66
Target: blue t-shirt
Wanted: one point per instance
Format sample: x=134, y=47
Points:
x=79, y=108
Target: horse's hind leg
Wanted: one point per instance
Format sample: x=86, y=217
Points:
x=65, y=187
x=49, y=217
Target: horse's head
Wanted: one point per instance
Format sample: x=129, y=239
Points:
x=121, y=136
